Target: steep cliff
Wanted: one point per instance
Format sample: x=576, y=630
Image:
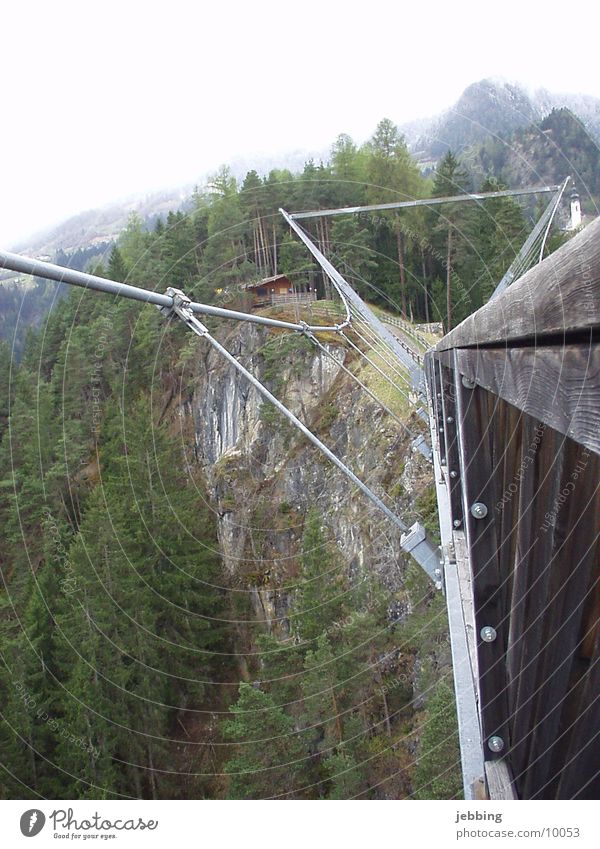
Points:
x=263, y=477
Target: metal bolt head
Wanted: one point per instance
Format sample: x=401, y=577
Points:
x=479, y=510
x=496, y=744
x=457, y=523
x=453, y=473
x=488, y=634
x=467, y=383
x=449, y=419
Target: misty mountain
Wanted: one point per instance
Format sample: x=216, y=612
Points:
x=490, y=110
x=100, y=227
x=92, y=233
x=546, y=152
x=488, y=115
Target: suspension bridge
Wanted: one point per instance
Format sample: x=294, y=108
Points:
x=511, y=400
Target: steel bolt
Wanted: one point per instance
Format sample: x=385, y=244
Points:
x=467, y=382
x=453, y=473
x=496, y=744
x=457, y=523
x=488, y=634
x=449, y=419
x=479, y=510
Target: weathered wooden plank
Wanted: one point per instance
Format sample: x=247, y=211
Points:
x=580, y=776
x=533, y=570
x=475, y=463
x=438, y=406
x=519, y=491
x=536, y=565
x=591, y=616
x=560, y=295
x=499, y=780
x=508, y=440
x=573, y=557
x=560, y=386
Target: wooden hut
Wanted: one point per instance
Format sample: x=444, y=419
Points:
x=278, y=289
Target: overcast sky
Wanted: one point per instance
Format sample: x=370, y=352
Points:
x=103, y=100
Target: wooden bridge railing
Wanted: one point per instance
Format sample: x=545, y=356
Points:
x=515, y=397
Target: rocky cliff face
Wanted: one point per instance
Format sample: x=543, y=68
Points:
x=263, y=475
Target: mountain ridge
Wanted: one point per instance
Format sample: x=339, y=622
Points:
x=487, y=110
x=490, y=109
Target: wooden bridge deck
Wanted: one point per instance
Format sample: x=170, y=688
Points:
x=515, y=391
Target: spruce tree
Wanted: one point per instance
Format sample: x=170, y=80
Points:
x=270, y=757
x=320, y=596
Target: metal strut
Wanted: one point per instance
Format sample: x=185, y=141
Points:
x=537, y=238
x=49, y=271
x=413, y=540
x=349, y=296
x=405, y=204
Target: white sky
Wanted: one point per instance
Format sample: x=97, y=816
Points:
x=102, y=100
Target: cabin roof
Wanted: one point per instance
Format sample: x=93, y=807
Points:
x=265, y=281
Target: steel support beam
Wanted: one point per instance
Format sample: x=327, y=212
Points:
x=522, y=261
x=405, y=204
x=348, y=294
x=414, y=540
x=37, y=268
x=456, y=573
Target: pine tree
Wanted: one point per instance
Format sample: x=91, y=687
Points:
x=270, y=757
x=320, y=594
x=393, y=176
x=346, y=776
x=352, y=245
x=348, y=167
x=117, y=270
x=450, y=179
x=437, y=775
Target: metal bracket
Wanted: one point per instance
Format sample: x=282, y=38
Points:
x=181, y=308
x=415, y=543
x=421, y=445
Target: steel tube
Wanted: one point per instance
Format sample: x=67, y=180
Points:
x=521, y=260
x=332, y=272
x=38, y=268
x=347, y=210
x=203, y=333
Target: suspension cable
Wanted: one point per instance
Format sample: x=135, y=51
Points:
x=375, y=366
x=357, y=380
